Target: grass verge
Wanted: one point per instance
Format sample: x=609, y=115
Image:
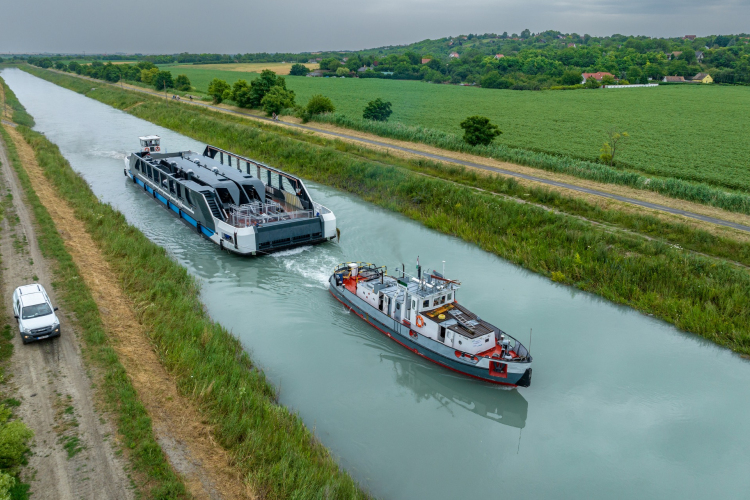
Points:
x=132, y=420
x=274, y=450
x=696, y=294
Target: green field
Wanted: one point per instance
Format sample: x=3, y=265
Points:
x=695, y=132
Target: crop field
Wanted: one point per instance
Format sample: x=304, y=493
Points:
x=694, y=132
x=278, y=68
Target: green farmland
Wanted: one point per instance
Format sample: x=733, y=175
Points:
x=694, y=132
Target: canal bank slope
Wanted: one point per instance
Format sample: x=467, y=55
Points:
x=213, y=412
x=700, y=294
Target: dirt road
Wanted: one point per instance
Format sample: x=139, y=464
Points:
x=74, y=455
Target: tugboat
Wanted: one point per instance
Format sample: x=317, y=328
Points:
x=244, y=206
x=421, y=313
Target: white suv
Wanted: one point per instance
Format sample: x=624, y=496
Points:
x=34, y=312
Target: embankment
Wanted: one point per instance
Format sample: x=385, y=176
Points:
x=698, y=294
x=273, y=451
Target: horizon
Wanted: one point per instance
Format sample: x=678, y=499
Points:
x=170, y=27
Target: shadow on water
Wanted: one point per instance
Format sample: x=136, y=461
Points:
x=504, y=406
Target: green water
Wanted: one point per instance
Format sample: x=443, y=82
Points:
x=620, y=406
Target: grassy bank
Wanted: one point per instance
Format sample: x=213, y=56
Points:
x=697, y=294
x=271, y=446
x=132, y=421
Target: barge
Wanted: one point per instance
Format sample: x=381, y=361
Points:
x=422, y=314
x=242, y=205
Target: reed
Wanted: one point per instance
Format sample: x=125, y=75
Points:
x=277, y=454
x=667, y=186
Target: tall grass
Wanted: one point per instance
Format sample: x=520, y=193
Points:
x=272, y=447
x=696, y=294
x=672, y=187
x=20, y=116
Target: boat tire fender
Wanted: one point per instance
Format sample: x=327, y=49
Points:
x=420, y=321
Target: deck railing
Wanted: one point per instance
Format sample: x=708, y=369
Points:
x=258, y=213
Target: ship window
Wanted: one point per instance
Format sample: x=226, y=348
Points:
x=426, y=303
x=179, y=190
x=149, y=171
x=171, y=186
x=224, y=195
x=413, y=304
x=450, y=296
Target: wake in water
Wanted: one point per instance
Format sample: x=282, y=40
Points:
x=315, y=266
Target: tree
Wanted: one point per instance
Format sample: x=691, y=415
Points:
x=479, y=130
x=608, y=80
x=277, y=99
x=377, y=110
x=182, y=82
x=147, y=75
x=342, y=71
x=571, y=77
x=330, y=63
x=261, y=85
x=615, y=142
x=242, y=94
x=216, y=89
x=162, y=80
x=298, y=70
x=74, y=67
x=493, y=80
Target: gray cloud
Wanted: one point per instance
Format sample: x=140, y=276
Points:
x=230, y=26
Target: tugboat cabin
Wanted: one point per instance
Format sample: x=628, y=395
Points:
x=150, y=144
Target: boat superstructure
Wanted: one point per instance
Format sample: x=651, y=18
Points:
x=240, y=204
x=422, y=314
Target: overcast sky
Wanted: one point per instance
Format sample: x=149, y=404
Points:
x=232, y=26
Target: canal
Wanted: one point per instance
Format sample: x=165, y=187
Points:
x=621, y=405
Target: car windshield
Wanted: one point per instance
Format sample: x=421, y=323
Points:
x=36, y=311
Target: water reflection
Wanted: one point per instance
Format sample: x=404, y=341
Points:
x=507, y=407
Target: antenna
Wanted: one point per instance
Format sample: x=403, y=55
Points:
x=443, y=269
x=529, y=349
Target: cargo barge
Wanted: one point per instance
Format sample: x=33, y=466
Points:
x=242, y=205
x=422, y=314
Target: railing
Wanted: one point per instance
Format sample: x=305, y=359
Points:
x=258, y=213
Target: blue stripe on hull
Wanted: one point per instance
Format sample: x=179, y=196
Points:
x=472, y=371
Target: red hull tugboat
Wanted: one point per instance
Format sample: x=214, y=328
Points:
x=421, y=313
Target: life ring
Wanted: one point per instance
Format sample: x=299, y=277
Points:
x=157, y=148
x=420, y=321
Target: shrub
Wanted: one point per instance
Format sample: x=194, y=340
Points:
x=298, y=70
x=14, y=436
x=319, y=104
x=342, y=72
x=592, y=83
x=571, y=77
x=241, y=93
x=147, y=75
x=217, y=89
x=478, y=130
x=377, y=110
x=163, y=80
x=182, y=82
x=276, y=100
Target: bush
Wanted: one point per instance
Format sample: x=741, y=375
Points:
x=163, y=80
x=276, y=100
x=592, y=83
x=298, y=70
x=478, y=130
x=242, y=94
x=319, y=104
x=14, y=436
x=217, y=89
x=493, y=80
x=342, y=72
x=571, y=78
x=147, y=75
x=182, y=82
x=377, y=110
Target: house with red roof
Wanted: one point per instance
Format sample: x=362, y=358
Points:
x=453, y=55
x=596, y=76
x=499, y=56
x=425, y=60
